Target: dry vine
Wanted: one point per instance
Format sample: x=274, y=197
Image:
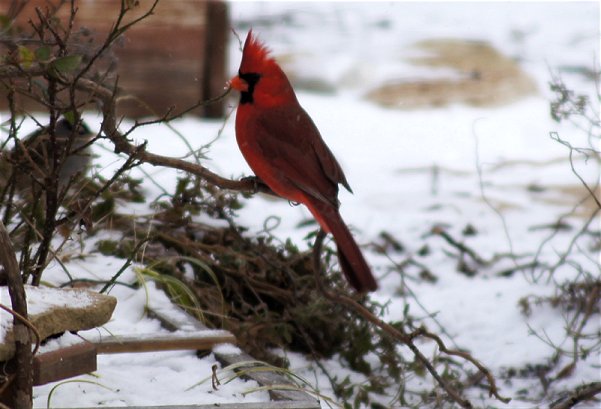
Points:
x=401, y=336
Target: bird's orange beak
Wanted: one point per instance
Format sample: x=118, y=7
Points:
x=239, y=84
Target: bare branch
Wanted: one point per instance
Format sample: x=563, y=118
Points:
x=580, y=394
x=109, y=126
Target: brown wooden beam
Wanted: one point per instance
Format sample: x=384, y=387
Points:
x=313, y=404
x=64, y=363
x=199, y=341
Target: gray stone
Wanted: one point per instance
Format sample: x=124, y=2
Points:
x=54, y=311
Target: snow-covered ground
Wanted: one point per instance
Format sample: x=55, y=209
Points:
x=410, y=170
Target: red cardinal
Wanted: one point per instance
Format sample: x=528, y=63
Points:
x=283, y=147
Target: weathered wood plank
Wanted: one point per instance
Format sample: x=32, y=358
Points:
x=64, y=363
x=162, y=60
x=147, y=343
x=257, y=405
x=184, y=320
x=265, y=378
x=175, y=319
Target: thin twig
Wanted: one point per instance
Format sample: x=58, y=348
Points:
x=460, y=246
x=486, y=199
x=555, y=137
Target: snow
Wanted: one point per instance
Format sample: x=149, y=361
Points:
x=146, y=379
x=226, y=349
x=410, y=171
x=40, y=299
x=65, y=340
x=139, y=379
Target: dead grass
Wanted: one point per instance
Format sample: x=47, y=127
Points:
x=487, y=78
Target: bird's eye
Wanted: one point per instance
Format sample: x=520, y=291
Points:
x=250, y=77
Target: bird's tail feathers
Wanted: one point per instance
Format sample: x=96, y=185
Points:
x=351, y=259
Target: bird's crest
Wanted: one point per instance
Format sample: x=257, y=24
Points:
x=255, y=55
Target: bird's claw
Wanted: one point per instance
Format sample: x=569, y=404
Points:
x=256, y=182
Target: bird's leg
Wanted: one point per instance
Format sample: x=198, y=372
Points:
x=317, y=246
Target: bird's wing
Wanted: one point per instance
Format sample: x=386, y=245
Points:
x=289, y=140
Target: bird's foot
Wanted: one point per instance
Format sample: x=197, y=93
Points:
x=258, y=186
x=255, y=181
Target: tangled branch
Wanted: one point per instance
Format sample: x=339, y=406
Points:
x=403, y=337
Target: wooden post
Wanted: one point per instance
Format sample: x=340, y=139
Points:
x=199, y=341
x=215, y=66
x=18, y=394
